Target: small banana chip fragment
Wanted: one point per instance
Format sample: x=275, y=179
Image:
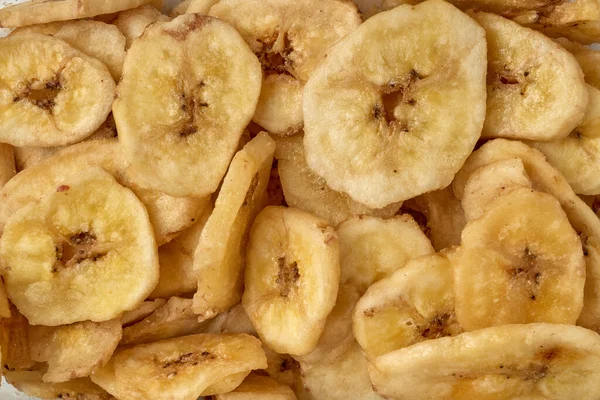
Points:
x=292, y=278
x=14, y=342
x=51, y=94
x=259, y=387
x=132, y=23
x=141, y=312
x=76, y=350
x=181, y=368
x=533, y=361
x=30, y=383
x=220, y=256
x=85, y=252
x=189, y=88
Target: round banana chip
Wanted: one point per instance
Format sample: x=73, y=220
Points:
x=532, y=361
x=414, y=304
x=181, y=368
x=292, y=278
x=189, y=88
x=577, y=156
x=132, y=23
x=289, y=37
x=42, y=11
x=85, y=252
x=30, y=383
x=50, y=93
x=536, y=88
x=520, y=262
x=397, y=106
x=76, y=350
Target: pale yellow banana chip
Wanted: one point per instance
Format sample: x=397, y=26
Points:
x=531, y=361
x=189, y=88
x=200, y=6
x=373, y=248
x=560, y=13
x=283, y=368
x=141, y=312
x=290, y=38
x=50, y=93
x=85, y=252
x=181, y=368
x=398, y=104
x=220, y=255
x=132, y=23
x=30, y=383
x=258, y=387
x=536, y=88
x=76, y=350
x=292, y=278
x=589, y=61
x=414, y=304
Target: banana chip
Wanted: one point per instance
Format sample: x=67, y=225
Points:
x=85, y=252
x=398, y=104
x=7, y=163
x=132, y=23
x=14, y=342
x=258, y=387
x=189, y=88
x=589, y=61
x=141, y=312
x=200, y=6
x=30, y=383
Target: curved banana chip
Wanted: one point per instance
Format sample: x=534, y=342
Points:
x=304, y=189
x=536, y=88
x=588, y=59
x=85, y=252
x=30, y=383
x=141, y=312
x=414, y=304
x=289, y=37
x=373, y=248
x=532, y=361
x=384, y=138
x=292, y=276
x=57, y=96
x=132, y=23
x=182, y=368
x=207, y=81
x=258, y=387
x=219, y=258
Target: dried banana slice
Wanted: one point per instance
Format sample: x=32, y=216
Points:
x=200, y=6
x=304, y=189
x=85, y=252
x=289, y=37
x=207, y=82
x=532, y=361
x=143, y=311
x=43, y=11
x=30, y=383
x=588, y=59
x=168, y=215
x=181, y=368
x=259, y=387
x=14, y=342
x=7, y=163
x=577, y=156
x=414, y=304
x=4, y=304
x=132, y=23
x=373, y=248
x=292, y=278
x=76, y=350
x=536, y=88
x=520, y=262
x=404, y=96
x=220, y=257
x=560, y=13
x=54, y=96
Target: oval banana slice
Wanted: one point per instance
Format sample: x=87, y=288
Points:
x=289, y=37
x=536, y=89
x=373, y=248
x=292, y=278
x=132, y=23
x=304, y=189
x=43, y=11
x=532, y=361
x=168, y=215
x=577, y=156
x=520, y=262
x=189, y=88
x=55, y=95
x=181, y=368
x=76, y=350
x=85, y=252
x=404, y=96
x=219, y=258
x=414, y=304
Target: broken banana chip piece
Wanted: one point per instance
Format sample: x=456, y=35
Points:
x=220, y=256
x=181, y=368
x=292, y=278
x=289, y=38
x=414, y=304
x=536, y=88
x=30, y=383
x=50, y=93
x=85, y=252
x=132, y=23
x=396, y=107
x=141, y=312
x=207, y=82
x=531, y=361
x=259, y=387
x=520, y=262
x=76, y=350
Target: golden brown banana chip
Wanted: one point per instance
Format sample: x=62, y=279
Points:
x=14, y=342
x=7, y=163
